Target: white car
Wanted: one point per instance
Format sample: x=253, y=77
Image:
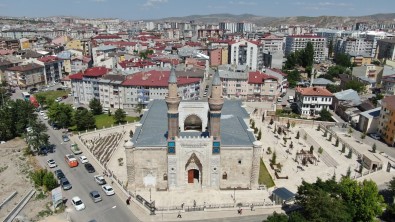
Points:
x=77, y=203
x=45, y=117
x=42, y=113
x=51, y=163
x=375, y=136
x=83, y=159
x=108, y=190
x=58, y=99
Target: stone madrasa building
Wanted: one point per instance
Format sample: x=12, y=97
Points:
x=193, y=144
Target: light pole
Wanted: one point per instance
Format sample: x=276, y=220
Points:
x=234, y=194
x=150, y=195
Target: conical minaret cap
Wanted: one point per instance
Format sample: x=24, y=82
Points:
x=172, y=77
x=216, y=79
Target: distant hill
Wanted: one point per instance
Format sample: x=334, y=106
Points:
x=320, y=21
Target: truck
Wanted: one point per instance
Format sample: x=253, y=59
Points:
x=75, y=149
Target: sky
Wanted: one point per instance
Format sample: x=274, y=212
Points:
x=156, y=9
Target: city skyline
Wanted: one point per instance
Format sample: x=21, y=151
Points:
x=157, y=9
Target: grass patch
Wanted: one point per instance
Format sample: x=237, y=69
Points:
x=104, y=120
x=264, y=176
x=52, y=95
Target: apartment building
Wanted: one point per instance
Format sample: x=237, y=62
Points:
x=110, y=91
x=85, y=86
x=52, y=68
x=386, y=49
x=388, y=85
x=142, y=87
x=358, y=46
x=25, y=76
x=386, y=127
x=252, y=86
x=9, y=44
x=272, y=43
x=312, y=100
x=294, y=43
x=248, y=53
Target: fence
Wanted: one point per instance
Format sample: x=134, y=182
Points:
x=284, y=120
x=214, y=206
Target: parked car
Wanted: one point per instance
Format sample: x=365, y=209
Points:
x=100, y=179
x=95, y=196
x=108, y=190
x=58, y=99
x=59, y=174
x=51, y=163
x=51, y=148
x=42, y=113
x=55, y=126
x=65, y=138
x=43, y=151
x=89, y=168
x=45, y=117
x=83, y=159
x=375, y=136
x=77, y=203
x=64, y=182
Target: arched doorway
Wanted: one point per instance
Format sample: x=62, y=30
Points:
x=193, y=176
x=193, y=122
x=193, y=170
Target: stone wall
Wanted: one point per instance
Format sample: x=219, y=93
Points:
x=237, y=163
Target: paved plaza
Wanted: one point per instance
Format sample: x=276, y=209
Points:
x=330, y=162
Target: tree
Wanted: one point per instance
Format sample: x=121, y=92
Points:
x=330, y=137
x=291, y=145
x=325, y=115
x=279, y=130
x=337, y=142
x=84, y=119
x=343, y=148
x=41, y=99
x=391, y=186
x=308, y=55
x=271, y=122
x=275, y=217
x=288, y=125
x=119, y=116
x=349, y=156
x=311, y=149
x=320, y=150
x=273, y=159
x=343, y=60
x=348, y=174
x=263, y=118
x=285, y=140
x=355, y=85
x=293, y=77
x=330, y=49
x=297, y=135
x=259, y=135
x=350, y=131
x=61, y=114
x=49, y=181
x=252, y=124
x=363, y=135
x=305, y=136
x=139, y=108
x=374, y=148
x=376, y=98
x=95, y=106
x=318, y=127
x=325, y=133
x=131, y=133
x=333, y=88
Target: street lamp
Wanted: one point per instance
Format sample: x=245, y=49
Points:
x=234, y=194
x=150, y=195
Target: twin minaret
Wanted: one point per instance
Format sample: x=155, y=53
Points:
x=215, y=102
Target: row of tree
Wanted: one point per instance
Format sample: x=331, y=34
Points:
x=347, y=200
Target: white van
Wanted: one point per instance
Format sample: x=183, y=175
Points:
x=279, y=99
x=105, y=110
x=290, y=99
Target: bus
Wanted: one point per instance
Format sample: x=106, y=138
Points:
x=34, y=101
x=26, y=96
x=71, y=160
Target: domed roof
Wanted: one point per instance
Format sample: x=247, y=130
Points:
x=128, y=145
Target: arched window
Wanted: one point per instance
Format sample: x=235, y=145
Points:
x=224, y=176
x=165, y=176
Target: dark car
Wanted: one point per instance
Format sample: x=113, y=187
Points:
x=43, y=151
x=33, y=90
x=59, y=89
x=59, y=174
x=55, y=126
x=51, y=148
x=64, y=182
x=89, y=168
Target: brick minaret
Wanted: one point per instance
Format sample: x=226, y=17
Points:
x=215, y=102
x=172, y=101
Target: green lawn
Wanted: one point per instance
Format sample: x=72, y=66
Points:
x=52, y=95
x=264, y=176
x=106, y=120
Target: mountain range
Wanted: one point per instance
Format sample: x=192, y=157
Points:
x=320, y=21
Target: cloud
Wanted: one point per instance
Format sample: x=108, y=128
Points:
x=152, y=3
x=241, y=3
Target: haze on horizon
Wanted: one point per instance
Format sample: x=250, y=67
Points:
x=156, y=9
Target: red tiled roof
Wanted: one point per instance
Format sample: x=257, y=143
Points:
x=46, y=59
x=120, y=43
x=106, y=37
x=313, y=91
x=140, y=64
x=27, y=67
x=278, y=71
x=389, y=102
x=155, y=78
x=258, y=77
x=91, y=72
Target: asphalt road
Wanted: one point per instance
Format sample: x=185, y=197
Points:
x=111, y=208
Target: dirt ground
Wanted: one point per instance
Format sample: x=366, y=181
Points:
x=14, y=176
